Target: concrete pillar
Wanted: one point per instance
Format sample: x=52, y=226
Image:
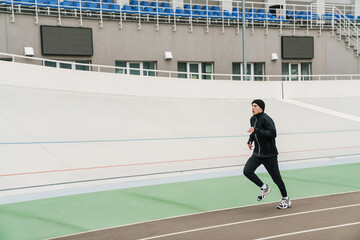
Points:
x=320, y=7
x=123, y=2
x=356, y=9
x=177, y=3
x=227, y=5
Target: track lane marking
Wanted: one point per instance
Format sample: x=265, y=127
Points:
x=248, y=221
x=194, y=214
x=166, y=162
x=307, y=231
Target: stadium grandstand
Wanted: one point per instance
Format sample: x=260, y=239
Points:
x=294, y=39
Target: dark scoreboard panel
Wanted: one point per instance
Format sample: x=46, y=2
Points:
x=297, y=47
x=66, y=41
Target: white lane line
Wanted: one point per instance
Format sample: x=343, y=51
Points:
x=310, y=230
x=249, y=221
x=324, y=110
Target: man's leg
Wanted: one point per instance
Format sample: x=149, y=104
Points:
x=272, y=166
x=249, y=170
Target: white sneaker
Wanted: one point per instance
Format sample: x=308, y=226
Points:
x=263, y=193
x=284, y=204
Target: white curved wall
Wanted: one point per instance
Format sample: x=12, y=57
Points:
x=63, y=129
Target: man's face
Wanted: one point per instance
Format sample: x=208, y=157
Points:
x=256, y=109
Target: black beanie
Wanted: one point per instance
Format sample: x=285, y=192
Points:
x=260, y=103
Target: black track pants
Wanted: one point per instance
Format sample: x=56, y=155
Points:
x=271, y=165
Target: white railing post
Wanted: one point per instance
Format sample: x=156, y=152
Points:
x=238, y=18
x=36, y=13
x=59, y=13
x=357, y=41
x=81, y=22
x=101, y=18
x=333, y=20
x=139, y=13
x=294, y=19
x=12, y=11
x=191, y=18
x=207, y=16
x=157, y=27
x=120, y=15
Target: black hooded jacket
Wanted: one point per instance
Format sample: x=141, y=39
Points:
x=264, y=136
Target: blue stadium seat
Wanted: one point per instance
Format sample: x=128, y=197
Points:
x=217, y=12
x=115, y=8
x=187, y=6
x=270, y=17
x=350, y=16
x=136, y=9
x=227, y=15
x=179, y=12
x=210, y=14
x=27, y=2
x=42, y=3
x=199, y=14
x=155, y=4
x=206, y=8
x=164, y=5
x=189, y=12
x=127, y=9
x=134, y=2
x=315, y=16
x=145, y=3
x=53, y=3
x=196, y=7
x=106, y=7
x=236, y=9
x=283, y=19
x=13, y=2
x=169, y=11
x=148, y=11
x=160, y=11
x=93, y=6
x=67, y=4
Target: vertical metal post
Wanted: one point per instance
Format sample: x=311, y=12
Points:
x=59, y=13
x=244, y=39
x=12, y=11
x=80, y=20
x=157, y=16
x=238, y=17
x=36, y=13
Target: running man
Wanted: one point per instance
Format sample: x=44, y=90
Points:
x=263, y=133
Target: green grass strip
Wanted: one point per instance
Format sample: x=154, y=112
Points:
x=52, y=217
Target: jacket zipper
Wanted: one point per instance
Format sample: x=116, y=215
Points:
x=256, y=136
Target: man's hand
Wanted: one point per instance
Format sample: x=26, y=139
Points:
x=250, y=145
x=251, y=130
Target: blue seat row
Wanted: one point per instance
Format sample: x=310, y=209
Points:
x=164, y=9
x=326, y=16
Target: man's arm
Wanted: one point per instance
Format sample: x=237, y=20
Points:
x=269, y=130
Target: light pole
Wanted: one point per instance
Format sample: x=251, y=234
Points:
x=243, y=38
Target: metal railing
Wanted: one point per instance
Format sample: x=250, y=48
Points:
x=176, y=74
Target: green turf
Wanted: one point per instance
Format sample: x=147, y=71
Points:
x=77, y=213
